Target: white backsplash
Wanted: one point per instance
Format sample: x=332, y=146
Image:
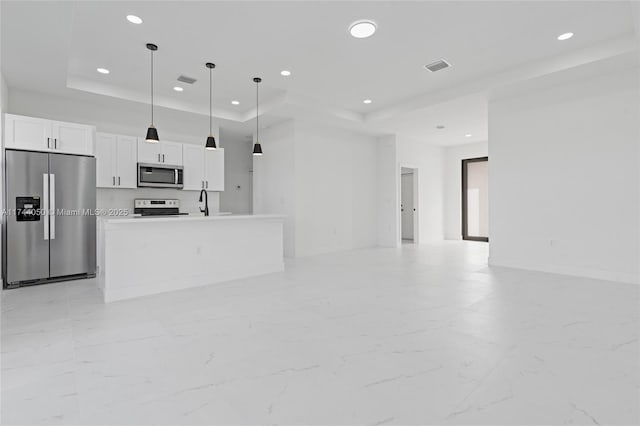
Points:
x=123, y=198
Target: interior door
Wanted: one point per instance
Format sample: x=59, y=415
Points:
x=126, y=162
x=407, y=206
x=27, y=175
x=73, y=226
x=106, y=161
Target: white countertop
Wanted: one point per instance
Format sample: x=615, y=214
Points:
x=186, y=218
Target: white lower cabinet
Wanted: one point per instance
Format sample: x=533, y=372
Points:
x=203, y=168
x=116, y=161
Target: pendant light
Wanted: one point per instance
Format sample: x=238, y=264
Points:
x=257, y=148
x=211, y=141
x=152, y=133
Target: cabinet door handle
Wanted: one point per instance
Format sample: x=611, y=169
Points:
x=114, y=181
x=202, y=185
x=207, y=186
x=158, y=158
x=118, y=180
x=163, y=158
x=48, y=142
x=55, y=143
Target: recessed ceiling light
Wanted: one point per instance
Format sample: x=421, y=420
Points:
x=565, y=36
x=367, y=101
x=362, y=29
x=439, y=127
x=285, y=73
x=235, y=103
x=102, y=70
x=134, y=19
x=178, y=89
x=468, y=135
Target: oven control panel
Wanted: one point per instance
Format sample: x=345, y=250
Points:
x=149, y=203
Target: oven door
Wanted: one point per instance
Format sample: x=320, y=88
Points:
x=155, y=176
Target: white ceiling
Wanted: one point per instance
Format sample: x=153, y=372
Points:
x=55, y=47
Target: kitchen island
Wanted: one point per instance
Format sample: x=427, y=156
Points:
x=139, y=256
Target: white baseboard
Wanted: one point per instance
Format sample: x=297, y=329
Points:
x=598, y=274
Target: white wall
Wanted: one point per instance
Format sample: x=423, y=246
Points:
x=274, y=189
x=4, y=103
x=453, y=185
x=564, y=183
x=127, y=118
x=336, y=190
x=325, y=181
x=429, y=160
x=388, y=195
x=236, y=197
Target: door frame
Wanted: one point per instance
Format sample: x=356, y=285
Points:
x=416, y=203
x=465, y=235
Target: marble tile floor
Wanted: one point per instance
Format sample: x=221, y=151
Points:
x=410, y=336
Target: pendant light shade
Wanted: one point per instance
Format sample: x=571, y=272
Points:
x=211, y=141
x=152, y=132
x=257, y=148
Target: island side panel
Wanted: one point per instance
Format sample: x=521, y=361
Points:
x=143, y=258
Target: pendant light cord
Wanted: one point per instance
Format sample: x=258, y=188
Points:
x=257, y=113
x=152, y=87
x=210, y=96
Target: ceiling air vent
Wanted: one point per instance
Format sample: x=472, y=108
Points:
x=437, y=65
x=185, y=79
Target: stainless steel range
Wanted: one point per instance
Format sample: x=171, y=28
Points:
x=156, y=207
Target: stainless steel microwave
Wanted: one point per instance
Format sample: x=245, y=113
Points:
x=160, y=176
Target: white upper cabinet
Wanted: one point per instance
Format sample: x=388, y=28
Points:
x=47, y=135
x=193, y=157
x=172, y=153
x=149, y=152
x=73, y=138
x=203, y=168
x=105, y=160
x=26, y=132
x=116, y=161
x=214, y=169
x=169, y=153
x=127, y=162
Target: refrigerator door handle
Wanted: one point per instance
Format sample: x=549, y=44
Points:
x=44, y=210
x=52, y=203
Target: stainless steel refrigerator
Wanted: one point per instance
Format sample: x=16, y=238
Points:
x=49, y=222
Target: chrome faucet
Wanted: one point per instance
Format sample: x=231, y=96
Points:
x=206, y=202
